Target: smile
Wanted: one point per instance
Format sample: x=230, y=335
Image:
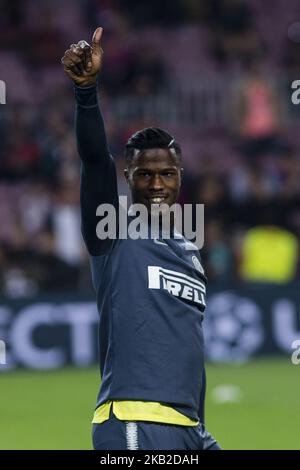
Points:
x=157, y=199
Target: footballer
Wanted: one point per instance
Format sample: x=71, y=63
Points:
x=151, y=348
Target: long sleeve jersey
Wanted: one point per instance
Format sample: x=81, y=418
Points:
x=150, y=293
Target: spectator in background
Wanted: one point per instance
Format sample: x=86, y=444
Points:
x=289, y=191
x=233, y=31
x=211, y=190
x=22, y=156
x=258, y=116
x=291, y=58
x=37, y=142
x=291, y=64
x=42, y=42
x=31, y=247
x=269, y=253
x=53, y=134
x=216, y=254
x=289, y=174
x=147, y=74
x=120, y=59
x=257, y=199
x=19, y=150
x=11, y=22
x=34, y=207
x=155, y=12
x=68, y=243
x=131, y=69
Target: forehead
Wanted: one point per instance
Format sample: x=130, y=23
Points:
x=151, y=158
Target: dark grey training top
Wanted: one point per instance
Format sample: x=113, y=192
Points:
x=150, y=293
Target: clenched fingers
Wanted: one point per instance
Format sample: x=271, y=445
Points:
x=73, y=59
x=87, y=54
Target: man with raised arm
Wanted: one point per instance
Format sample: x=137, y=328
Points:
x=150, y=291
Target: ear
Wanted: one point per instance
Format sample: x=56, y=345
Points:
x=181, y=173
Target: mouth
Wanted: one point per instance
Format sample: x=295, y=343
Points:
x=157, y=199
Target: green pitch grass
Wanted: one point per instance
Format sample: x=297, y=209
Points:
x=249, y=406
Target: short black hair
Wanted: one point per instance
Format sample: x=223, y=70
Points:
x=151, y=138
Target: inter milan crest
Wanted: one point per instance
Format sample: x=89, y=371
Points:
x=197, y=264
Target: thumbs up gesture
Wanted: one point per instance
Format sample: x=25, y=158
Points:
x=82, y=62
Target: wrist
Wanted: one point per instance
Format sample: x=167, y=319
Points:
x=86, y=95
x=87, y=84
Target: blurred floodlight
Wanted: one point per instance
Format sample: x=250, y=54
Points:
x=226, y=394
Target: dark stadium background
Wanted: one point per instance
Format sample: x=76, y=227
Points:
x=217, y=74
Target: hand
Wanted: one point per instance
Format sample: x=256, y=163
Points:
x=82, y=62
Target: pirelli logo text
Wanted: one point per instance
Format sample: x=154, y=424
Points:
x=177, y=284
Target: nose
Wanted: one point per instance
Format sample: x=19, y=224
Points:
x=156, y=183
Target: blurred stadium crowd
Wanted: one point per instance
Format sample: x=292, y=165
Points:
x=215, y=73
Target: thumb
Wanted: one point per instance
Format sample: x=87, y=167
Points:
x=96, y=40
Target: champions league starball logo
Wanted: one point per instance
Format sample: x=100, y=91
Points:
x=233, y=328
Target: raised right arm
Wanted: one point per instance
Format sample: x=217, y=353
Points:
x=98, y=172
x=82, y=64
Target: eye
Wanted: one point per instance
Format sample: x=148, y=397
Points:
x=169, y=174
x=144, y=174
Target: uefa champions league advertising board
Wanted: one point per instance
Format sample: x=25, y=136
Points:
x=52, y=332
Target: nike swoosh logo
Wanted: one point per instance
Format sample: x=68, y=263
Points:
x=158, y=242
